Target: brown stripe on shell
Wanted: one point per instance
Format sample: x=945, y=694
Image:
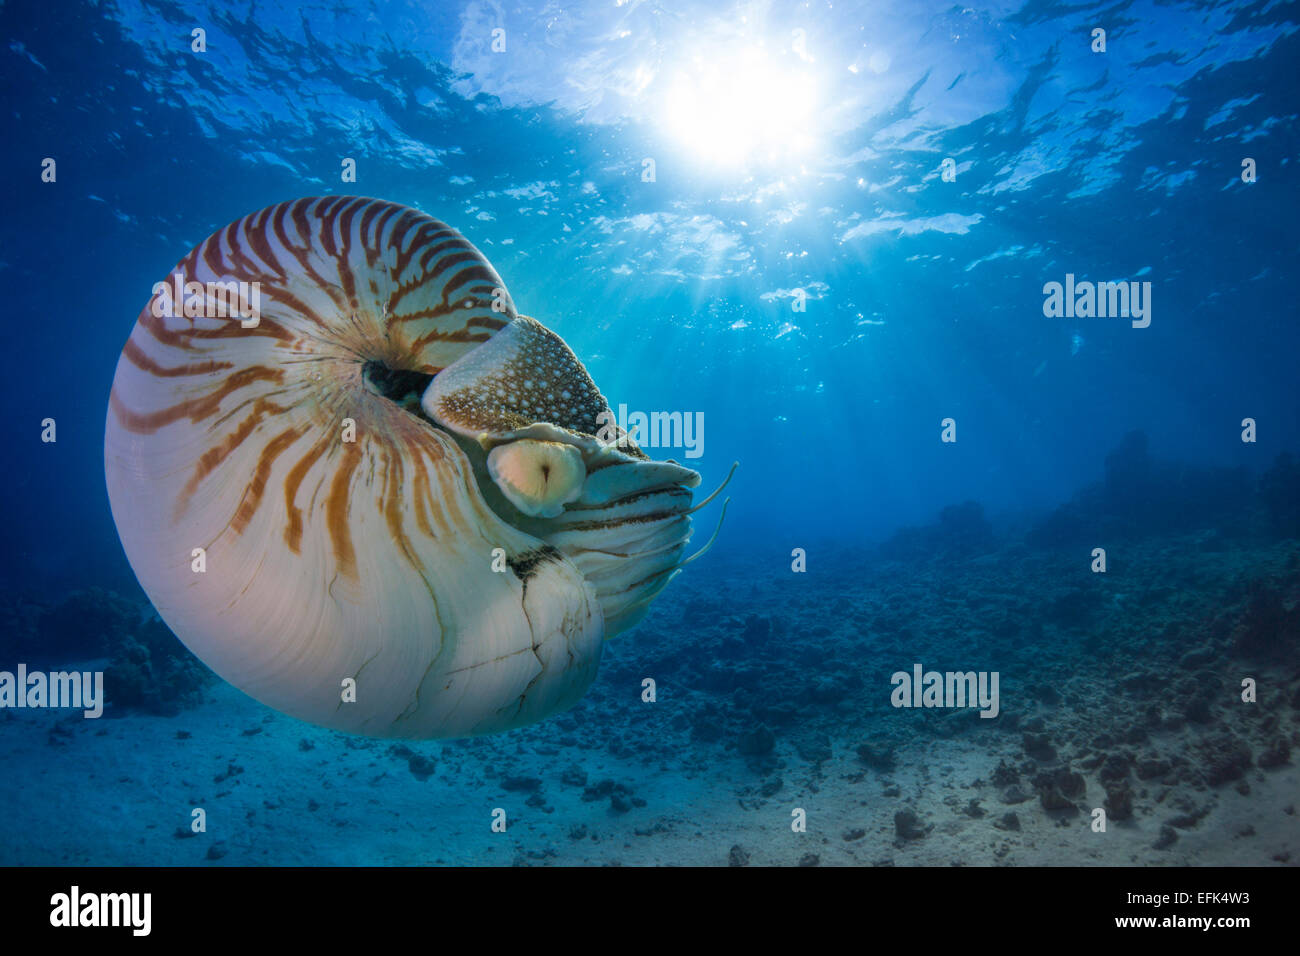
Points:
x=214, y=456
x=179, y=338
x=136, y=356
x=390, y=503
x=257, y=485
x=422, y=493
x=195, y=409
x=337, y=508
x=293, y=530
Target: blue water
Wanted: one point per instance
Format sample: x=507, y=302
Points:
x=807, y=153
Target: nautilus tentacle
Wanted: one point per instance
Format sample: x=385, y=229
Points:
x=383, y=502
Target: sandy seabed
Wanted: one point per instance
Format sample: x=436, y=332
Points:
x=772, y=695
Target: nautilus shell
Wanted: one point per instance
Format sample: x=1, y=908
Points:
x=382, y=482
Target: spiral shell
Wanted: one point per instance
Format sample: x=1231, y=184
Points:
x=377, y=500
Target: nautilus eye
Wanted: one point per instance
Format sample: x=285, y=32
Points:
x=538, y=477
x=364, y=490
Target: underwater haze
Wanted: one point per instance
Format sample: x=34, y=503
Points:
x=994, y=304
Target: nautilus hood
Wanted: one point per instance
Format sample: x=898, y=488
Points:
x=364, y=490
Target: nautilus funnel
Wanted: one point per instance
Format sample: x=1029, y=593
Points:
x=364, y=490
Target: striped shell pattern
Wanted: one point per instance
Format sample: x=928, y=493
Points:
x=379, y=501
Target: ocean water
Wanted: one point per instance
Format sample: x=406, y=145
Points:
x=826, y=236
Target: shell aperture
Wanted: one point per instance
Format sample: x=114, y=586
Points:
x=388, y=481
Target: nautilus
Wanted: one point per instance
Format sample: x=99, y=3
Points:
x=366, y=491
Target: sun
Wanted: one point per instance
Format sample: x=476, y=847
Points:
x=742, y=109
